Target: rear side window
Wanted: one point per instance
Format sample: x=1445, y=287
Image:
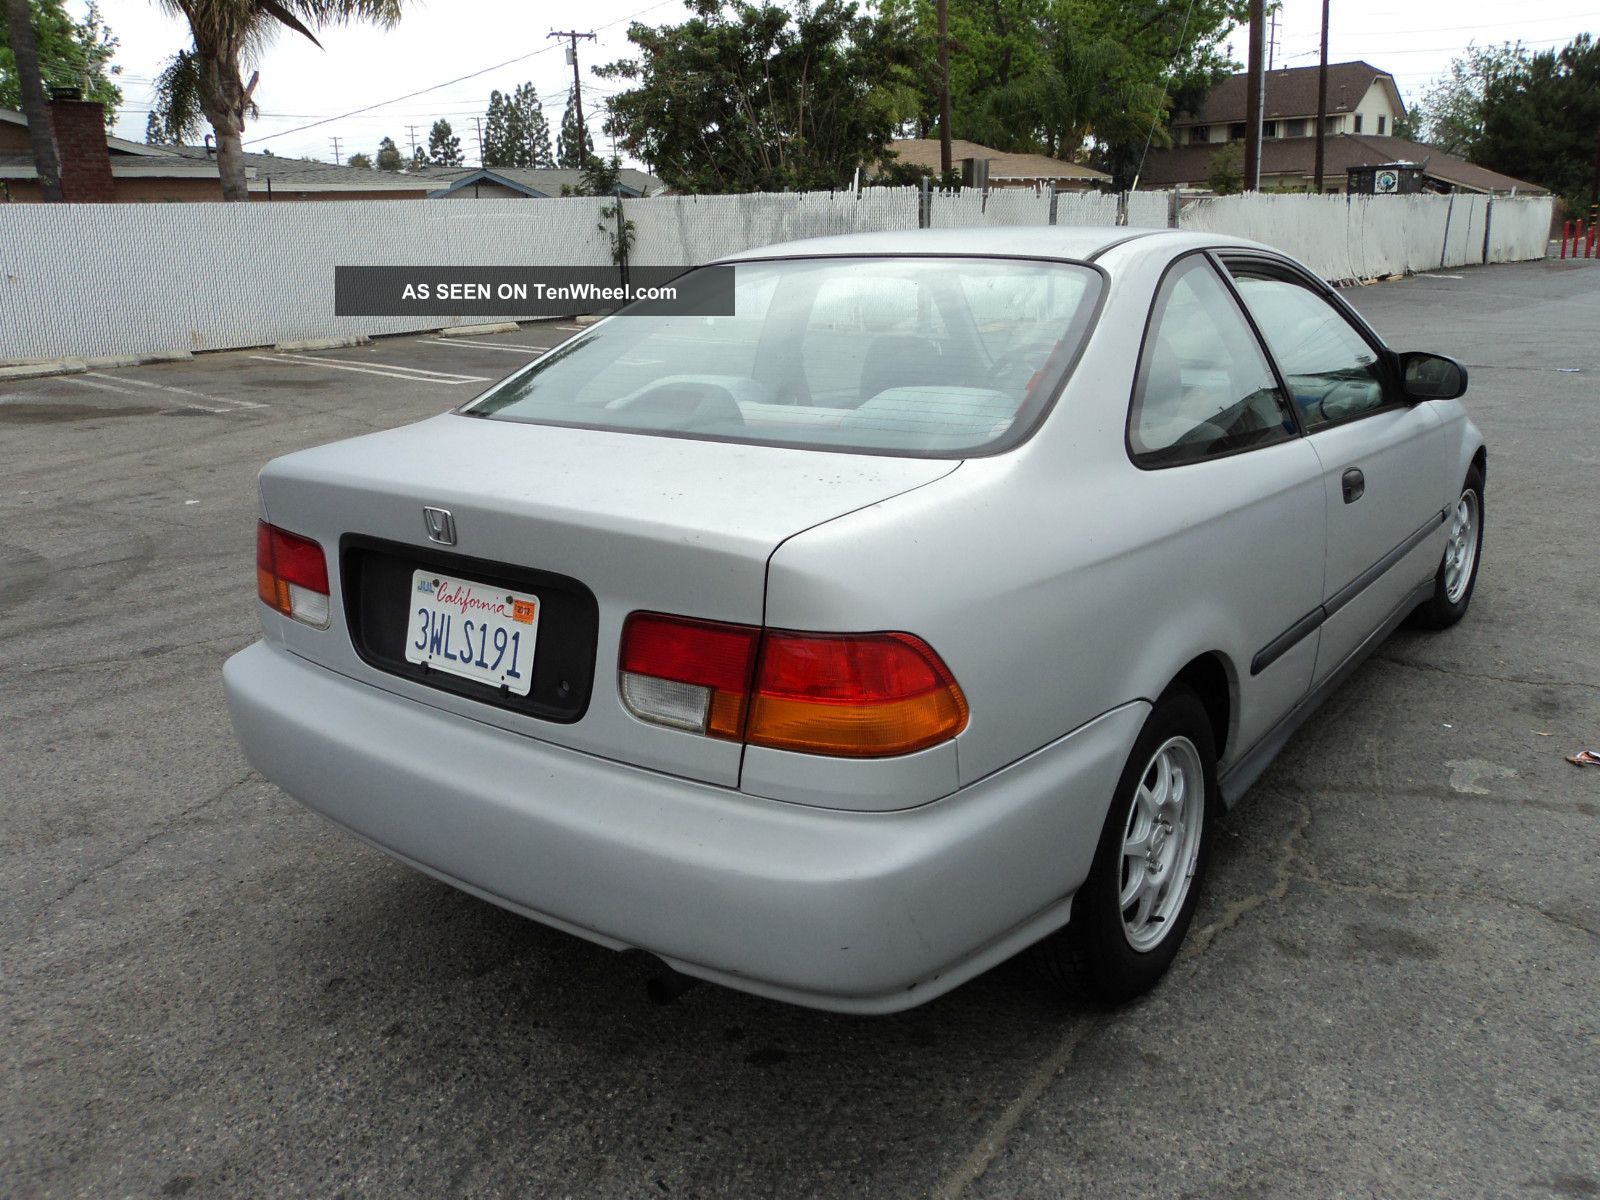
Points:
x=1204, y=387
x=1334, y=373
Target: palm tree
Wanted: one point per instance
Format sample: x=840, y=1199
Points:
x=227, y=33
x=19, y=21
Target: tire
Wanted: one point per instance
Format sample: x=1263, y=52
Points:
x=1106, y=953
x=1458, y=567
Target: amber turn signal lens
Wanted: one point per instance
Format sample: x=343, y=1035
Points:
x=853, y=695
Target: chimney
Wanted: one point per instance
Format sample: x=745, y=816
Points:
x=80, y=127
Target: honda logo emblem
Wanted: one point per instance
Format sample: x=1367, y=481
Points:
x=441, y=526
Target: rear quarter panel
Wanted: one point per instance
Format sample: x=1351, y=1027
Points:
x=1059, y=581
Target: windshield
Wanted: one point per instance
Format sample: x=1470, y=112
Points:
x=936, y=357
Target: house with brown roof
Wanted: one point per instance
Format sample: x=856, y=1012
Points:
x=1361, y=99
x=1363, y=106
x=1005, y=169
x=96, y=168
x=1291, y=163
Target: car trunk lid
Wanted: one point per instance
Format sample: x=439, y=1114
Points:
x=596, y=524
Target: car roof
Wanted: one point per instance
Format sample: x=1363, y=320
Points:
x=1076, y=242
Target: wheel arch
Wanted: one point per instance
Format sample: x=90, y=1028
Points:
x=1211, y=677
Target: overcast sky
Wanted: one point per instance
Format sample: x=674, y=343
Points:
x=361, y=66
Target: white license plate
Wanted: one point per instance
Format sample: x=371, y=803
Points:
x=473, y=630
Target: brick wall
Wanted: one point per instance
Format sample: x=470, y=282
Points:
x=80, y=127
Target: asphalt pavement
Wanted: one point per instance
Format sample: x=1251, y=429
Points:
x=1392, y=987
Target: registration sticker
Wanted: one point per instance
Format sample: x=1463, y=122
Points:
x=473, y=630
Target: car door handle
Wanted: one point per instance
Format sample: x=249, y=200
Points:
x=1355, y=483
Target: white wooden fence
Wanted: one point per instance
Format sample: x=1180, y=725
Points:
x=86, y=280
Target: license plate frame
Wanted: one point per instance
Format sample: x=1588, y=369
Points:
x=473, y=630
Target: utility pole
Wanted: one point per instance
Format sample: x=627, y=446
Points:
x=1252, y=112
x=336, y=159
x=1322, y=96
x=944, y=85
x=572, y=37
x=1272, y=39
x=411, y=131
x=478, y=121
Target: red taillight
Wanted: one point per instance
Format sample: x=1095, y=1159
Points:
x=688, y=674
x=856, y=695
x=859, y=695
x=292, y=575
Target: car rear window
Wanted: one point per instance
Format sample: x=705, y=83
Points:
x=933, y=357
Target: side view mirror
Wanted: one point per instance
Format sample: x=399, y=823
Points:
x=1431, y=376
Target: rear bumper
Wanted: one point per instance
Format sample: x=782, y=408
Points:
x=851, y=911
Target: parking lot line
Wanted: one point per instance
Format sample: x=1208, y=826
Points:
x=465, y=342
x=228, y=403
x=122, y=391
x=414, y=374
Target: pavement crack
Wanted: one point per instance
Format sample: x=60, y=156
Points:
x=1521, y=680
x=164, y=828
x=1316, y=879
x=983, y=1155
x=1200, y=940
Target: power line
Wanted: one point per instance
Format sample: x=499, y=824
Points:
x=458, y=79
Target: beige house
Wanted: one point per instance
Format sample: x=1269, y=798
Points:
x=1361, y=99
x=1363, y=106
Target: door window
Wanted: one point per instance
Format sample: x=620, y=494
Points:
x=1332, y=371
x=1204, y=388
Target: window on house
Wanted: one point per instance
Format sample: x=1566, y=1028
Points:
x=1380, y=126
x=1236, y=132
x=1295, y=128
x=1358, y=122
x=1200, y=133
x=1332, y=124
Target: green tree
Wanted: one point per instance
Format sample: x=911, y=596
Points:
x=228, y=34
x=1225, y=170
x=360, y=161
x=155, y=131
x=499, y=138
x=1541, y=122
x=389, y=156
x=757, y=97
x=601, y=176
x=515, y=131
x=1451, y=112
x=444, y=147
x=573, y=146
x=418, y=160
x=1065, y=77
x=71, y=54
x=533, y=127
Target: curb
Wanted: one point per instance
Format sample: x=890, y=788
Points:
x=474, y=330
x=587, y=319
x=324, y=343
x=42, y=370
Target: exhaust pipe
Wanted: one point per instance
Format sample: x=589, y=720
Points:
x=664, y=985
x=667, y=985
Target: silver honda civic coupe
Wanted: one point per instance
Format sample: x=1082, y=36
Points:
x=929, y=607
